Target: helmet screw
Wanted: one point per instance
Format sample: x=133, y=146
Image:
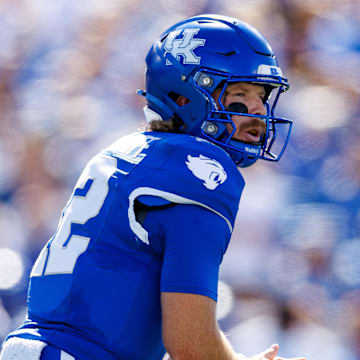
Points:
x=211, y=128
x=206, y=81
x=183, y=77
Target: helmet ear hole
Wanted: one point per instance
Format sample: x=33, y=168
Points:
x=173, y=96
x=178, y=99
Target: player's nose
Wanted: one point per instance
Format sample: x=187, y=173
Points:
x=256, y=106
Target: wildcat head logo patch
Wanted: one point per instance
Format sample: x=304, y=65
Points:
x=209, y=170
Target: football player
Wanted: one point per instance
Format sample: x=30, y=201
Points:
x=132, y=269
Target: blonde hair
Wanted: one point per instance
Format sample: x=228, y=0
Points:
x=163, y=126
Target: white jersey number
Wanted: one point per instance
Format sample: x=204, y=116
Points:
x=60, y=255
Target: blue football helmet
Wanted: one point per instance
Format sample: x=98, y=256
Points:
x=203, y=53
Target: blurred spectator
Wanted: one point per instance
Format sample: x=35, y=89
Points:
x=68, y=74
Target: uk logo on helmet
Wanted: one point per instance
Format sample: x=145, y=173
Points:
x=206, y=169
x=183, y=47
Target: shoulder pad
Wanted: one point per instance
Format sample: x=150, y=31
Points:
x=185, y=169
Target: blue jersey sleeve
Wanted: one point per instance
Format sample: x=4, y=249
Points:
x=192, y=241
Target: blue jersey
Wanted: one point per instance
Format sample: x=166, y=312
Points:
x=95, y=288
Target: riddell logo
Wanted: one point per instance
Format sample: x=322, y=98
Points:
x=252, y=150
x=269, y=70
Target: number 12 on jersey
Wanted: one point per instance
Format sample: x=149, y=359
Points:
x=60, y=254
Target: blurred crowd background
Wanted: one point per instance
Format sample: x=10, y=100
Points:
x=68, y=75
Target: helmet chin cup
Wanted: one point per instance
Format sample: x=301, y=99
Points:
x=248, y=155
